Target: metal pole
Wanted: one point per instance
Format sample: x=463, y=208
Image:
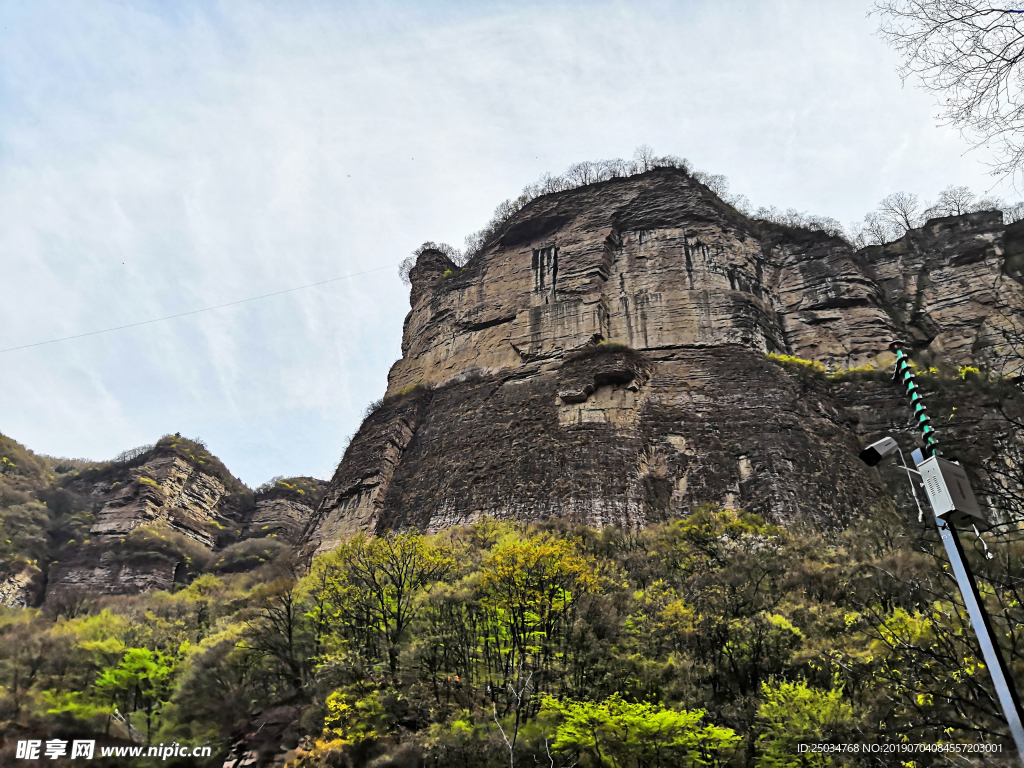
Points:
x=1001, y=678
x=1006, y=691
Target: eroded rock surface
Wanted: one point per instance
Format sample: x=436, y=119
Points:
x=21, y=589
x=502, y=406
x=165, y=489
x=110, y=575
x=176, y=488
x=284, y=510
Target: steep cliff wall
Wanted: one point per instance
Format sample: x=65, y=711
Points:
x=283, y=510
x=152, y=519
x=166, y=489
x=175, y=485
x=506, y=403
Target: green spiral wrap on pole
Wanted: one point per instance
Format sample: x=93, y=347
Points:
x=905, y=375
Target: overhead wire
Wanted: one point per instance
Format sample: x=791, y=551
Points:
x=198, y=311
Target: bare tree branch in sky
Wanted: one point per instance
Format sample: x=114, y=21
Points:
x=953, y=201
x=901, y=210
x=969, y=53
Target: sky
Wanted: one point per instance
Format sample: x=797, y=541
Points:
x=159, y=158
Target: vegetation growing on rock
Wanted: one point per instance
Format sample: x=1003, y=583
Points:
x=714, y=640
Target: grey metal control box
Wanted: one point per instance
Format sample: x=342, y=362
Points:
x=950, y=494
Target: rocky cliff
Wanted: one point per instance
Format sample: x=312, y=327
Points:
x=603, y=360
x=146, y=521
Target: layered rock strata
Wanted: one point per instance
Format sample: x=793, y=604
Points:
x=166, y=489
x=174, y=486
x=284, y=510
x=107, y=573
x=603, y=361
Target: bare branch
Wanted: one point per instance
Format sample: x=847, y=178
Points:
x=969, y=54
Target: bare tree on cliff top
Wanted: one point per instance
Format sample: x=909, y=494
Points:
x=969, y=53
x=954, y=201
x=901, y=211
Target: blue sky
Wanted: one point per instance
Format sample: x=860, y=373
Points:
x=157, y=158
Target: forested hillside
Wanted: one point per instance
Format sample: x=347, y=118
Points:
x=714, y=640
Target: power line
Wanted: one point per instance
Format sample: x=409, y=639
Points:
x=198, y=311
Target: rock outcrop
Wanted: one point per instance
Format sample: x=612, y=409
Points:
x=150, y=519
x=166, y=489
x=103, y=571
x=21, y=589
x=603, y=360
x=284, y=509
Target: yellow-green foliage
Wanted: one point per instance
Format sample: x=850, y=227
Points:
x=32, y=532
x=307, y=488
x=160, y=542
x=409, y=389
x=246, y=555
x=715, y=639
x=637, y=733
x=18, y=462
x=814, y=365
x=21, y=470
x=791, y=714
x=965, y=370
x=867, y=368
x=196, y=452
x=23, y=534
x=149, y=481
x=351, y=718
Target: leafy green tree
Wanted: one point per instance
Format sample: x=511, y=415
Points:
x=281, y=635
x=448, y=637
x=372, y=583
x=793, y=713
x=28, y=655
x=713, y=639
x=621, y=734
x=529, y=587
x=217, y=690
x=353, y=718
x=142, y=681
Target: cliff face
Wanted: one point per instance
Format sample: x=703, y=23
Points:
x=139, y=524
x=166, y=489
x=175, y=485
x=283, y=510
x=506, y=404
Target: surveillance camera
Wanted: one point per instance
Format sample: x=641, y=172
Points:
x=875, y=452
